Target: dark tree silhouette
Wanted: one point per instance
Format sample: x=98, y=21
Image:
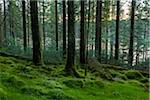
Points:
x=36, y=36
x=98, y=30
x=70, y=66
x=64, y=28
x=117, y=31
x=130, y=57
x=82, y=34
x=24, y=24
x=56, y=24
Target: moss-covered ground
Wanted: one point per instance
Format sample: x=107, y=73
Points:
x=20, y=80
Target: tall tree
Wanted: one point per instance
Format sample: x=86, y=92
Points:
x=44, y=41
x=117, y=31
x=1, y=33
x=56, y=24
x=64, y=28
x=98, y=29
x=36, y=36
x=24, y=24
x=4, y=18
x=28, y=18
x=130, y=57
x=70, y=65
x=82, y=36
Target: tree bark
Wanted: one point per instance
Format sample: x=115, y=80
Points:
x=56, y=24
x=70, y=65
x=4, y=19
x=44, y=41
x=98, y=30
x=130, y=57
x=36, y=36
x=117, y=31
x=24, y=24
x=82, y=34
x=64, y=28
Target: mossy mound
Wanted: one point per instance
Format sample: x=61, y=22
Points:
x=117, y=75
x=94, y=84
x=136, y=83
x=52, y=84
x=74, y=83
x=11, y=81
x=133, y=74
x=58, y=94
x=32, y=91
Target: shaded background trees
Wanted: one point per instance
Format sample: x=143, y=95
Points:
x=101, y=26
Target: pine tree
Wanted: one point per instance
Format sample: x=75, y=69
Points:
x=36, y=36
x=82, y=34
x=70, y=65
x=130, y=57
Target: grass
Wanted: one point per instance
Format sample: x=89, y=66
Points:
x=19, y=80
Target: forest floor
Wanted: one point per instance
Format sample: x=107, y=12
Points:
x=20, y=80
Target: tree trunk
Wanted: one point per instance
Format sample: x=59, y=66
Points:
x=106, y=48
x=44, y=41
x=4, y=19
x=64, y=28
x=82, y=36
x=98, y=30
x=24, y=24
x=36, y=36
x=70, y=66
x=117, y=31
x=130, y=57
x=1, y=26
x=56, y=24
x=28, y=18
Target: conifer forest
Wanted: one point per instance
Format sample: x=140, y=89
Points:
x=74, y=49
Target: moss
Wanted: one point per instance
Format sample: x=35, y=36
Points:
x=57, y=94
x=52, y=84
x=3, y=95
x=144, y=80
x=95, y=83
x=104, y=74
x=118, y=75
x=12, y=81
x=32, y=91
x=134, y=82
x=74, y=83
x=133, y=74
x=6, y=61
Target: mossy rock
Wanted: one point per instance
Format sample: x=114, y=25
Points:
x=57, y=94
x=133, y=74
x=74, y=83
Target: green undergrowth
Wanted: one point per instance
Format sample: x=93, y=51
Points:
x=20, y=80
